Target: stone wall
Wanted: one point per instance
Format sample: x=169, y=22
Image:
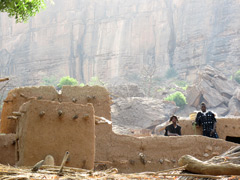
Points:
x=52, y=128
x=96, y=95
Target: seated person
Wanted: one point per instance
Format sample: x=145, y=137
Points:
x=173, y=129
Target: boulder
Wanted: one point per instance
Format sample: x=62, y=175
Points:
x=210, y=95
x=236, y=94
x=193, y=96
x=221, y=110
x=234, y=107
x=127, y=90
x=224, y=87
x=213, y=88
x=138, y=112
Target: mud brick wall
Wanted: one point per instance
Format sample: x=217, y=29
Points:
x=7, y=149
x=17, y=97
x=52, y=128
x=138, y=154
x=225, y=127
x=96, y=95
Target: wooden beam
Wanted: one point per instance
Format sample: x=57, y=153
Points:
x=4, y=79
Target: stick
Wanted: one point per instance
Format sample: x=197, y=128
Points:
x=193, y=175
x=63, y=163
x=3, y=79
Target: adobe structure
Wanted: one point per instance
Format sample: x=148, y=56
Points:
x=97, y=95
x=127, y=153
x=52, y=128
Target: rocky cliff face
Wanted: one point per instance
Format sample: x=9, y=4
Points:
x=117, y=38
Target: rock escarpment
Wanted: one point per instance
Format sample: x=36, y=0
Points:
x=118, y=38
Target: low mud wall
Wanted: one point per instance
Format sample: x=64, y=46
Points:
x=96, y=95
x=52, y=128
x=153, y=153
x=226, y=126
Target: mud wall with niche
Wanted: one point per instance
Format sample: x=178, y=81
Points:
x=96, y=95
x=226, y=126
x=138, y=154
x=52, y=128
x=7, y=149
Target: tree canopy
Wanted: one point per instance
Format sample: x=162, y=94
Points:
x=22, y=10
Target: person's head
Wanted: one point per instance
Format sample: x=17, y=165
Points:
x=203, y=107
x=173, y=119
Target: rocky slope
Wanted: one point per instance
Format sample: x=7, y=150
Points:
x=117, y=38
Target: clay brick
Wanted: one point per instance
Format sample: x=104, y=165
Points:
x=41, y=131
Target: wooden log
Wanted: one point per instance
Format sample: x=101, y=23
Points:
x=200, y=167
x=4, y=79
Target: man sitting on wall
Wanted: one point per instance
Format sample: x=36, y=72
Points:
x=173, y=129
x=207, y=120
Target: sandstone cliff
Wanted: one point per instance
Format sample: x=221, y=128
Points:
x=117, y=38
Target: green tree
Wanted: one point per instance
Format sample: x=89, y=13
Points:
x=22, y=10
x=67, y=81
x=237, y=76
x=178, y=98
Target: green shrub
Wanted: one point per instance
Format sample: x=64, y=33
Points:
x=81, y=84
x=67, y=81
x=237, y=76
x=171, y=72
x=185, y=88
x=178, y=98
x=49, y=81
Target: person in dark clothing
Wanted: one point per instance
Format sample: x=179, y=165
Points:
x=173, y=129
x=207, y=120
